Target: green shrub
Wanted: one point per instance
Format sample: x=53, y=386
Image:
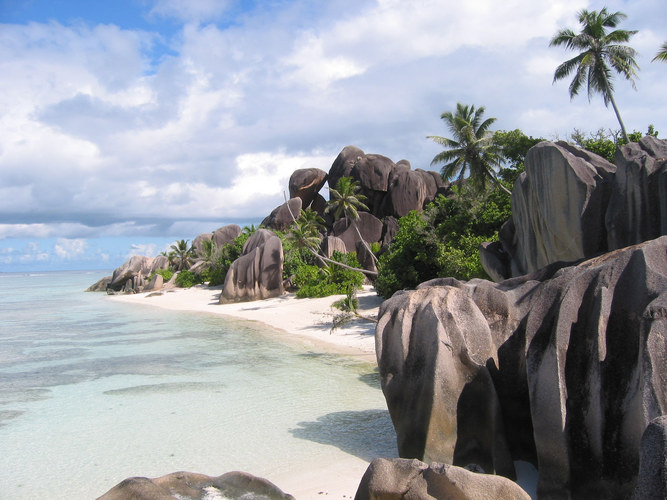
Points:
x=314, y=281
x=225, y=256
x=166, y=274
x=186, y=279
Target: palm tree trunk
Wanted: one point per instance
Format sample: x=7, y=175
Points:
x=618, y=116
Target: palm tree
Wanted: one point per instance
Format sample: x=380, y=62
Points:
x=472, y=150
x=347, y=201
x=182, y=254
x=662, y=54
x=600, y=52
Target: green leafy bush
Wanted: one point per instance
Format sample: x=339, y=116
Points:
x=166, y=274
x=314, y=281
x=225, y=256
x=443, y=241
x=186, y=279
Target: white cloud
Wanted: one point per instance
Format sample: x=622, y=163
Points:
x=149, y=250
x=70, y=249
x=99, y=136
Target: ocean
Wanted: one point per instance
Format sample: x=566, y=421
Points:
x=94, y=391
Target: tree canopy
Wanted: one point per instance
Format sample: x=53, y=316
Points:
x=471, y=151
x=600, y=51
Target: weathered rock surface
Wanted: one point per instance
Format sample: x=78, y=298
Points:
x=100, y=286
x=395, y=479
x=133, y=273
x=369, y=226
x=305, y=183
x=226, y=234
x=564, y=368
x=179, y=485
x=571, y=204
x=156, y=283
x=257, y=274
x=331, y=244
x=281, y=217
x=652, y=480
x=637, y=208
x=391, y=189
x=365, y=256
x=198, y=243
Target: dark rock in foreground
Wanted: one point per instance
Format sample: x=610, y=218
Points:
x=181, y=485
x=398, y=478
x=564, y=369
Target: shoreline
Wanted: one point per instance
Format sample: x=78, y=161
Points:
x=307, y=322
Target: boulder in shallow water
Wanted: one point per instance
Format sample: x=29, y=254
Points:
x=180, y=485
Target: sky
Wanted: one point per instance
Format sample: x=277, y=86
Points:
x=127, y=125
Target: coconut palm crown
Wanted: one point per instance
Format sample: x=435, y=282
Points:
x=471, y=151
x=600, y=51
x=662, y=54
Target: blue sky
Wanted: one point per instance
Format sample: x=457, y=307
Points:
x=126, y=125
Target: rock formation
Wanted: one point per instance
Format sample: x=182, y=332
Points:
x=331, y=244
x=233, y=485
x=305, y=183
x=571, y=204
x=395, y=479
x=369, y=226
x=564, y=368
x=652, y=480
x=198, y=243
x=226, y=234
x=391, y=189
x=257, y=274
x=283, y=216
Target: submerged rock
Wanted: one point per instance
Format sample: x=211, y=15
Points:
x=181, y=485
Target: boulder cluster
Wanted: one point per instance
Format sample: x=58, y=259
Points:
x=391, y=191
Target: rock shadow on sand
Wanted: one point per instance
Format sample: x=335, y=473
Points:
x=366, y=434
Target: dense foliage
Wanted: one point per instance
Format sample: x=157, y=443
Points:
x=224, y=257
x=605, y=143
x=315, y=281
x=442, y=241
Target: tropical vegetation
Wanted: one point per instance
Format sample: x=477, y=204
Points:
x=600, y=52
x=662, y=54
x=471, y=151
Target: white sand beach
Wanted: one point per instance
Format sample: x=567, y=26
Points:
x=303, y=321
x=307, y=321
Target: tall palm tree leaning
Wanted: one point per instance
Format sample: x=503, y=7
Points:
x=662, y=54
x=472, y=149
x=601, y=51
x=347, y=201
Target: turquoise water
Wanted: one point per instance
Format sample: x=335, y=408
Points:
x=93, y=391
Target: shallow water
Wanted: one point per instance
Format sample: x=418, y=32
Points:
x=93, y=391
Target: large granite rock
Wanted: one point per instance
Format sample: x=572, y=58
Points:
x=257, y=274
x=182, y=485
x=305, y=183
x=133, y=273
x=396, y=479
x=198, y=243
x=331, y=244
x=564, y=368
x=226, y=234
x=369, y=226
x=391, y=189
x=282, y=217
x=652, y=480
x=637, y=208
x=571, y=204
x=100, y=285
